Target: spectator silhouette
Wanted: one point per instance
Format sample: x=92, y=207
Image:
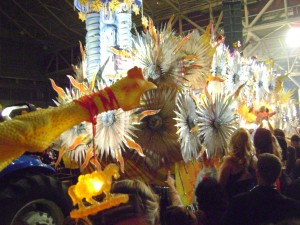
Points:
x=263, y=204
x=212, y=201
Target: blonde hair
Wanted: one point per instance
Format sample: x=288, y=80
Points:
x=241, y=146
x=276, y=148
x=149, y=200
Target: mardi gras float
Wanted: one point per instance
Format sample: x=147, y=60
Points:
x=204, y=92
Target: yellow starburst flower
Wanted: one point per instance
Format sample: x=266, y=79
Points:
x=285, y=96
x=128, y=3
x=81, y=16
x=145, y=22
x=114, y=4
x=83, y=2
x=135, y=9
x=96, y=5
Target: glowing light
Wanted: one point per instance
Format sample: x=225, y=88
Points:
x=97, y=184
x=292, y=38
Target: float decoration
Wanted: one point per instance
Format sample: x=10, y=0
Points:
x=157, y=133
x=93, y=185
x=197, y=55
x=108, y=25
x=238, y=74
x=36, y=131
x=216, y=121
x=186, y=120
x=157, y=52
x=109, y=134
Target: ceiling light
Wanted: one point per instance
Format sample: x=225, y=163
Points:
x=292, y=37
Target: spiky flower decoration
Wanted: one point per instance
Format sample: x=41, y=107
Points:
x=113, y=129
x=285, y=96
x=157, y=52
x=185, y=117
x=261, y=81
x=114, y=132
x=157, y=133
x=197, y=58
x=76, y=142
x=216, y=122
x=238, y=74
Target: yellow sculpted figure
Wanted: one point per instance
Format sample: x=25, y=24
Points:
x=35, y=131
x=92, y=185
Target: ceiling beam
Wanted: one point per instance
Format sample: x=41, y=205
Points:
x=37, y=22
x=16, y=23
x=193, y=23
x=59, y=20
x=294, y=81
x=173, y=6
x=219, y=21
x=293, y=64
x=211, y=16
x=286, y=9
x=70, y=4
x=294, y=74
x=180, y=24
x=182, y=16
x=147, y=7
x=262, y=11
x=157, y=17
x=246, y=13
x=273, y=24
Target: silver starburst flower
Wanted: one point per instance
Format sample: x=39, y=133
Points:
x=261, y=81
x=216, y=122
x=76, y=141
x=238, y=74
x=185, y=117
x=114, y=129
x=156, y=52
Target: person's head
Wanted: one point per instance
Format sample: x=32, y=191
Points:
x=268, y=169
x=177, y=215
x=279, y=133
x=262, y=109
x=263, y=141
x=211, y=196
x=295, y=141
x=149, y=200
x=241, y=145
x=282, y=143
x=142, y=208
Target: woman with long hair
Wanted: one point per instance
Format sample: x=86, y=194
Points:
x=237, y=172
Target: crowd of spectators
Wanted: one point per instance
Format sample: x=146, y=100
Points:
x=257, y=183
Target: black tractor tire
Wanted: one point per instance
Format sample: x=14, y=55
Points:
x=35, y=199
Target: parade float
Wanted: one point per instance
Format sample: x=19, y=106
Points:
x=205, y=90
